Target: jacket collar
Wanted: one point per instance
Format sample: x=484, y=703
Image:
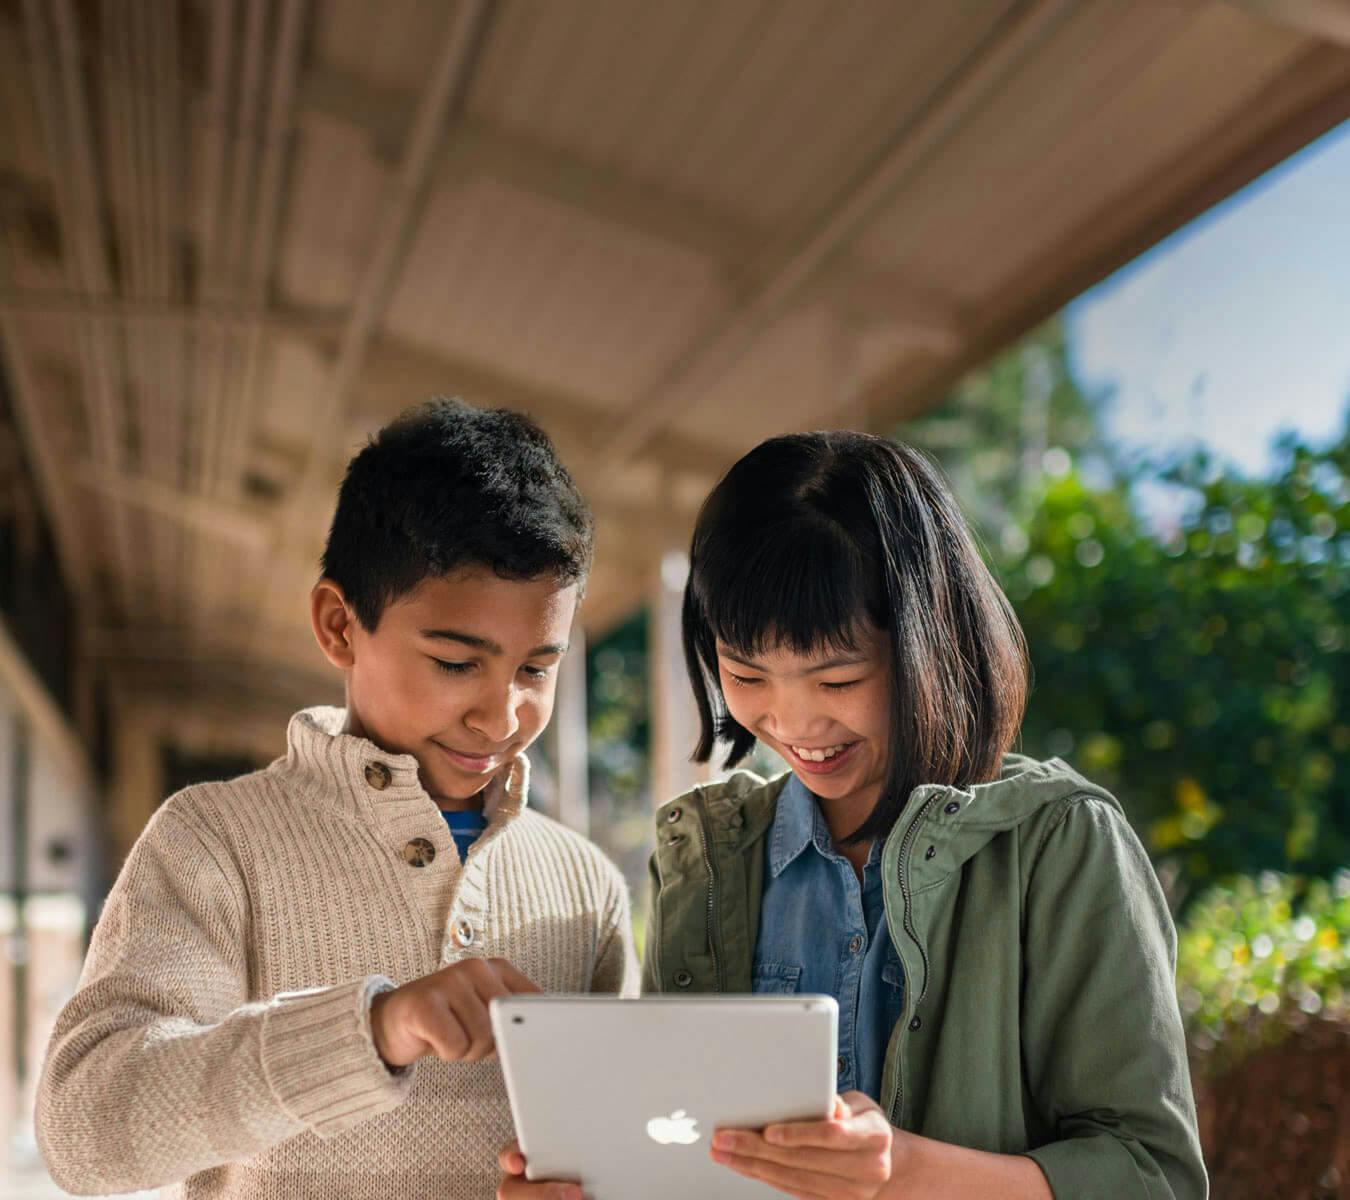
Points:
x=955, y=822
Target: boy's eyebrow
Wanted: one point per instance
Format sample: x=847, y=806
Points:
x=482, y=643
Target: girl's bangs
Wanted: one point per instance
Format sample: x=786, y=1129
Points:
x=802, y=585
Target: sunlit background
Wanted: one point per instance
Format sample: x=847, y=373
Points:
x=1093, y=257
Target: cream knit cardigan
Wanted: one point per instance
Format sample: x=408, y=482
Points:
x=219, y=1043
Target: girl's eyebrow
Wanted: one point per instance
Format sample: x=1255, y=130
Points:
x=840, y=660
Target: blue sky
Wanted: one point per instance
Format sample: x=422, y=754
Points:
x=1235, y=327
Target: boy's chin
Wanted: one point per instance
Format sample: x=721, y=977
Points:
x=452, y=785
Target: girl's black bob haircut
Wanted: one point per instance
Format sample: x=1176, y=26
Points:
x=812, y=537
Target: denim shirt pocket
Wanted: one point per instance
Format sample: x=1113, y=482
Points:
x=772, y=978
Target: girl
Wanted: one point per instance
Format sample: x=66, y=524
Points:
x=990, y=926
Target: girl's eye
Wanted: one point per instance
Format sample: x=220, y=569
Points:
x=741, y=680
x=453, y=668
x=843, y=686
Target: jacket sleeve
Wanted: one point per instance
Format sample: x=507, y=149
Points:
x=161, y=1066
x=616, y=966
x=1104, y=1048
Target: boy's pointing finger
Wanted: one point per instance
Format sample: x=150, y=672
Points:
x=513, y=979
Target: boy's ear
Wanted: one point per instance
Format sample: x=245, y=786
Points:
x=333, y=623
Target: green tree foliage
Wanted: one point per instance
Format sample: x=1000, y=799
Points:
x=995, y=432
x=1202, y=675
x=1201, y=670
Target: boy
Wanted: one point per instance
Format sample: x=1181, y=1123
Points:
x=237, y=1030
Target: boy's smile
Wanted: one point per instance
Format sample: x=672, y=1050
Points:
x=460, y=672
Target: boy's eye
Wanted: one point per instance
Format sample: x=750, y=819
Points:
x=453, y=668
x=536, y=672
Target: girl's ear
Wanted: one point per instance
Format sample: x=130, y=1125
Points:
x=333, y=623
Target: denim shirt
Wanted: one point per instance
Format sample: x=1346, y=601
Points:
x=822, y=932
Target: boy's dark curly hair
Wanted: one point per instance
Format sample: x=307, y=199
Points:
x=446, y=485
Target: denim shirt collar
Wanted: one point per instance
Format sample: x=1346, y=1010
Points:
x=798, y=823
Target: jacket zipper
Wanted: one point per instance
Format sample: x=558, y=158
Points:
x=908, y=921
x=709, y=861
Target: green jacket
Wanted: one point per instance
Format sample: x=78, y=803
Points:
x=1040, y=1012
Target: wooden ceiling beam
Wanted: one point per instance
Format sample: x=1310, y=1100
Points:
x=727, y=337
x=1310, y=98
x=477, y=149
x=1326, y=20
x=247, y=528
x=406, y=373
x=407, y=200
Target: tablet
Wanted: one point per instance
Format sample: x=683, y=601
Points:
x=623, y=1096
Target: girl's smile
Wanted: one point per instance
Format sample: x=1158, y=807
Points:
x=822, y=762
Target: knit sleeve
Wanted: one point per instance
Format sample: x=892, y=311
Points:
x=616, y=965
x=161, y=1065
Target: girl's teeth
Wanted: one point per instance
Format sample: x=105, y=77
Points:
x=817, y=755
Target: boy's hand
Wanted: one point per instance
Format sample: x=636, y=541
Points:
x=444, y=1013
x=514, y=1185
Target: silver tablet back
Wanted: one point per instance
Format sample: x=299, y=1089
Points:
x=624, y=1095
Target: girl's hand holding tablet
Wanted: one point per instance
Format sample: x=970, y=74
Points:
x=848, y=1157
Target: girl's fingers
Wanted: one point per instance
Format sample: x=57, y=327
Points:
x=861, y=1124
x=869, y=1166
x=822, y=1135
x=805, y=1185
x=510, y=1159
x=868, y=1160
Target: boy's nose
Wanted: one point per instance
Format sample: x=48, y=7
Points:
x=496, y=723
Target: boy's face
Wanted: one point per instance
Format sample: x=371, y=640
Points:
x=460, y=673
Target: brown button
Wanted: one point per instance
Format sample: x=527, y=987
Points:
x=418, y=852
x=463, y=933
x=378, y=776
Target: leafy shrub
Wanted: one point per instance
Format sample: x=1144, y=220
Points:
x=1258, y=957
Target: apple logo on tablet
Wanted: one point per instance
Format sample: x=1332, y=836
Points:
x=676, y=1129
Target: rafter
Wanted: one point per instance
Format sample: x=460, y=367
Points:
x=245, y=527
x=1327, y=20
x=1310, y=97
x=724, y=340
x=476, y=148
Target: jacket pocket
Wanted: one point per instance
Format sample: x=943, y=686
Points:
x=772, y=978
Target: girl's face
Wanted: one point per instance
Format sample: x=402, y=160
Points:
x=827, y=714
